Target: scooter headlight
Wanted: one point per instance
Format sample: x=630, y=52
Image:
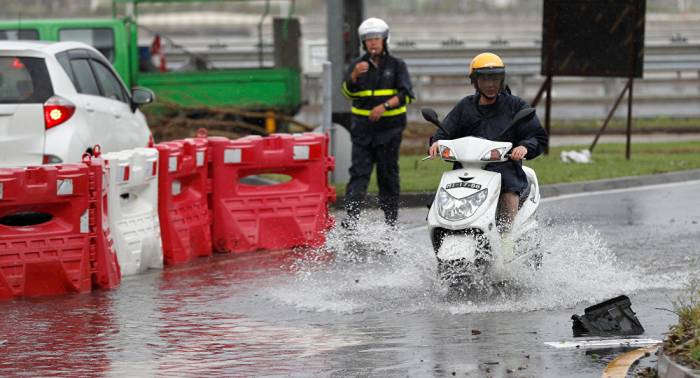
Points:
x=495, y=154
x=454, y=209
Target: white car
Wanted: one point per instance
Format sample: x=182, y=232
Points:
x=59, y=99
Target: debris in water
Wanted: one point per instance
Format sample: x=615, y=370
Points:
x=611, y=317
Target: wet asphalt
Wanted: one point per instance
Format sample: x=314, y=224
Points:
x=347, y=311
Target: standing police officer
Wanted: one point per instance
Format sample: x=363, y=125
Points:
x=379, y=87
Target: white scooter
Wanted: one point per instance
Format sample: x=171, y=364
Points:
x=462, y=218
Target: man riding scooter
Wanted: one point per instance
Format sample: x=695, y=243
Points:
x=488, y=114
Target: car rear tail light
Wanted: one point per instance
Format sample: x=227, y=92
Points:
x=57, y=110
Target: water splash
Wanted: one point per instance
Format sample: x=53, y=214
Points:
x=379, y=269
x=374, y=268
x=577, y=267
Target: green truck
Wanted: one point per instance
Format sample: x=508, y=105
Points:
x=275, y=89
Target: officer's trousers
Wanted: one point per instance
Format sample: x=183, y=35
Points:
x=386, y=158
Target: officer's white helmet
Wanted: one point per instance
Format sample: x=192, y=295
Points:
x=373, y=28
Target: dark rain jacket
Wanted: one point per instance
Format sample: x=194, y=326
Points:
x=468, y=118
x=376, y=86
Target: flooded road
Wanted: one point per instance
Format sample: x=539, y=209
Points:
x=342, y=312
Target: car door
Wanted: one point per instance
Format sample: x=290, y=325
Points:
x=98, y=126
x=128, y=131
x=24, y=87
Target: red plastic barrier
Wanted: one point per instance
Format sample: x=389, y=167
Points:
x=185, y=219
x=50, y=217
x=107, y=274
x=293, y=213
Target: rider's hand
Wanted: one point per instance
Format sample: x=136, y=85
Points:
x=376, y=113
x=434, y=150
x=360, y=68
x=518, y=153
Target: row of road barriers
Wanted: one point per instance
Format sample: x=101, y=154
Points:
x=75, y=227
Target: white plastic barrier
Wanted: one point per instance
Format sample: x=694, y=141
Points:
x=133, y=209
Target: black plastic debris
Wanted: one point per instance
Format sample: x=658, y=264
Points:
x=612, y=317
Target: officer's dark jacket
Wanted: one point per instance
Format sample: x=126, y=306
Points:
x=376, y=86
x=468, y=118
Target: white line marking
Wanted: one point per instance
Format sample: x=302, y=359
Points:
x=620, y=190
x=601, y=343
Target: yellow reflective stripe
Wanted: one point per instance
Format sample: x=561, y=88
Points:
x=388, y=113
x=361, y=112
x=394, y=112
x=384, y=92
x=408, y=100
x=346, y=92
x=369, y=92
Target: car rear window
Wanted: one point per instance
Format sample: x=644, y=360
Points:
x=24, y=80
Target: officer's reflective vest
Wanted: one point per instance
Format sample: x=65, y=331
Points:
x=377, y=85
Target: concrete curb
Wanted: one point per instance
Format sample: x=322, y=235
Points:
x=554, y=190
x=667, y=368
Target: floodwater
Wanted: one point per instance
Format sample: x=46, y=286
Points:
x=347, y=311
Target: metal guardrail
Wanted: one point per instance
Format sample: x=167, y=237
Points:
x=439, y=60
x=531, y=65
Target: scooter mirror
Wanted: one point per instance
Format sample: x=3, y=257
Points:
x=522, y=115
x=431, y=116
